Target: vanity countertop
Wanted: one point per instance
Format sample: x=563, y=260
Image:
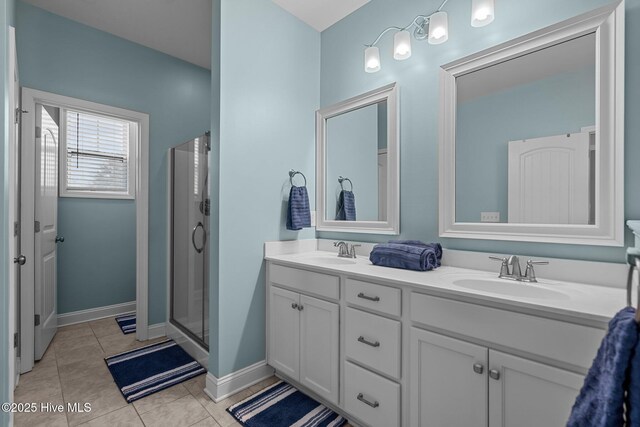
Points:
x=580, y=303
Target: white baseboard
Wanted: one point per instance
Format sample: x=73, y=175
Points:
x=96, y=313
x=220, y=388
x=156, y=331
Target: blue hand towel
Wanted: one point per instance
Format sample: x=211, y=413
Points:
x=346, y=206
x=408, y=257
x=602, y=397
x=437, y=247
x=298, y=213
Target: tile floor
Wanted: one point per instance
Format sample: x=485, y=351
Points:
x=73, y=370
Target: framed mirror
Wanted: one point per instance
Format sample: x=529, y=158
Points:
x=531, y=136
x=357, y=164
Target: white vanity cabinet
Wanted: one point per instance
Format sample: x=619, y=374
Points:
x=304, y=335
x=456, y=383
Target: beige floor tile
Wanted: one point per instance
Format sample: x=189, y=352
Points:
x=74, y=344
x=104, y=327
x=195, y=385
x=73, y=331
x=264, y=384
x=183, y=412
x=117, y=343
x=49, y=355
x=125, y=417
x=219, y=410
x=104, y=399
x=36, y=389
x=42, y=369
x=207, y=422
x=78, y=387
x=70, y=357
x=83, y=368
x=156, y=401
x=39, y=419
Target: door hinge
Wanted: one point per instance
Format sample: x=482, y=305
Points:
x=16, y=228
x=16, y=340
x=36, y=226
x=36, y=321
x=208, y=137
x=38, y=131
x=19, y=113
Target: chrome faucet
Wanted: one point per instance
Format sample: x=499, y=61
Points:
x=510, y=269
x=346, y=250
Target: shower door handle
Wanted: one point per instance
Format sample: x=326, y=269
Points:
x=204, y=237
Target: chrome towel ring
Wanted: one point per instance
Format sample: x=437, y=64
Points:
x=293, y=173
x=341, y=179
x=630, y=288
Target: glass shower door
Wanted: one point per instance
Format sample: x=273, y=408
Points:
x=190, y=207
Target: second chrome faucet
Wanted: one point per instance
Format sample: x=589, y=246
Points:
x=510, y=269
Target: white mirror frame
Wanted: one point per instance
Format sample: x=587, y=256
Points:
x=608, y=25
x=392, y=224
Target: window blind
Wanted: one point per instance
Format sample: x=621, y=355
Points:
x=97, y=157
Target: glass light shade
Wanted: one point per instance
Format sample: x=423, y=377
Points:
x=372, y=59
x=402, y=45
x=438, y=28
x=482, y=12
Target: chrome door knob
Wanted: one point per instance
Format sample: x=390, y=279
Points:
x=60, y=239
x=21, y=260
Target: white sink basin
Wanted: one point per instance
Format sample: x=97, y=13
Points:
x=510, y=288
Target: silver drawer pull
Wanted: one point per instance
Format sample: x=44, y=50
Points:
x=367, y=297
x=363, y=340
x=478, y=368
x=363, y=400
x=494, y=374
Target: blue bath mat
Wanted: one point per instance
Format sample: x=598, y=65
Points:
x=282, y=405
x=147, y=370
x=127, y=323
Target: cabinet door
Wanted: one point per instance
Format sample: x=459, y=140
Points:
x=284, y=331
x=319, y=347
x=448, y=382
x=529, y=394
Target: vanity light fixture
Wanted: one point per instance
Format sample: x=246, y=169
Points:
x=433, y=27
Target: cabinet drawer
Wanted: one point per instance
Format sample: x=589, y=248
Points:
x=305, y=281
x=380, y=298
x=373, y=341
x=371, y=398
x=554, y=339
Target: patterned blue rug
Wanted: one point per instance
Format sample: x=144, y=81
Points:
x=127, y=323
x=282, y=405
x=147, y=370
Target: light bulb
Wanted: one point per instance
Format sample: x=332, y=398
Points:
x=482, y=12
x=438, y=28
x=372, y=59
x=402, y=45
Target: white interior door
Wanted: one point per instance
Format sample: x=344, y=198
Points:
x=549, y=180
x=14, y=211
x=46, y=215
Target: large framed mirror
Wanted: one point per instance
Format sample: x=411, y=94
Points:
x=531, y=136
x=357, y=164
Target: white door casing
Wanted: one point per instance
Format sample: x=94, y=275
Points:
x=549, y=180
x=46, y=215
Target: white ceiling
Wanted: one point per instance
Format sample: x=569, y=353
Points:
x=321, y=14
x=569, y=56
x=180, y=28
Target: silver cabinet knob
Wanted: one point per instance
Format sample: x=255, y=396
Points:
x=21, y=260
x=300, y=307
x=60, y=239
x=494, y=374
x=478, y=368
x=294, y=306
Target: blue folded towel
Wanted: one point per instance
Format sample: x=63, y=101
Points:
x=346, y=206
x=298, y=213
x=616, y=367
x=437, y=247
x=408, y=257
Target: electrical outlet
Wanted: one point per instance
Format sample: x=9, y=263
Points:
x=313, y=218
x=489, y=216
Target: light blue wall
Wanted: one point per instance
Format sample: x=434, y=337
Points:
x=552, y=106
x=343, y=76
x=352, y=152
x=61, y=56
x=6, y=19
x=269, y=92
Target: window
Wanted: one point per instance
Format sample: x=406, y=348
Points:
x=98, y=156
